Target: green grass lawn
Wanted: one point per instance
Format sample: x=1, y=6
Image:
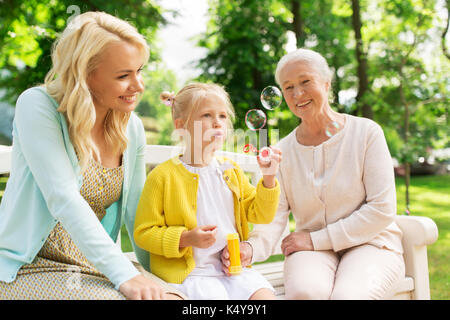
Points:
x=429, y=196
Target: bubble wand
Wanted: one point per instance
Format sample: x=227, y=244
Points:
x=256, y=119
x=264, y=154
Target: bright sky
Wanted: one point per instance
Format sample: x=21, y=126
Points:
x=179, y=50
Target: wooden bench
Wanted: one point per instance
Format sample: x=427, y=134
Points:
x=418, y=232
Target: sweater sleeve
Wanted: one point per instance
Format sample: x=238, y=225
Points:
x=379, y=209
x=151, y=231
x=264, y=237
x=260, y=203
x=42, y=146
x=136, y=185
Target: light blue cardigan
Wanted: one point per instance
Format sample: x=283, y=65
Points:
x=44, y=188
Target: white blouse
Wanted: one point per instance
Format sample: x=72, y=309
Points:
x=215, y=206
x=319, y=168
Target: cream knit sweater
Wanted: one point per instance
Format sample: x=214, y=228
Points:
x=342, y=192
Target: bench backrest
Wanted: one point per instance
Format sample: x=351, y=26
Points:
x=156, y=154
x=5, y=159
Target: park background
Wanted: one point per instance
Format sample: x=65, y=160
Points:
x=390, y=59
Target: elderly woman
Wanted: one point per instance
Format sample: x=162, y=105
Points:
x=337, y=179
x=78, y=172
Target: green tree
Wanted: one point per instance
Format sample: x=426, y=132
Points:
x=156, y=116
x=444, y=41
x=245, y=41
x=247, y=38
x=28, y=29
x=361, y=57
x=380, y=50
x=412, y=92
x=325, y=28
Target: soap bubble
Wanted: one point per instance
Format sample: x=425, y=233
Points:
x=332, y=128
x=255, y=119
x=271, y=97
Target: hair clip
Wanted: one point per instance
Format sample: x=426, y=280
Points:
x=169, y=101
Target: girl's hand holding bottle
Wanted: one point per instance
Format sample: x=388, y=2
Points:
x=246, y=252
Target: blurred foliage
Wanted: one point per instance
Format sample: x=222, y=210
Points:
x=28, y=29
x=246, y=39
x=155, y=115
x=405, y=78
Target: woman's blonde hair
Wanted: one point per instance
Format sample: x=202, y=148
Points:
x=188, y=99
x=75, y=55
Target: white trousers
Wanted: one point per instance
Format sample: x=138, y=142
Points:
x=240, y=287
x=364, y=272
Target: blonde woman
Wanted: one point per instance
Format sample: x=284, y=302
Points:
x=78, y=171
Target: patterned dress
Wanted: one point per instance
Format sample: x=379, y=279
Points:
x=60, y=270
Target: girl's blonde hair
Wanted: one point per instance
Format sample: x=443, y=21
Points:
x=75, y=55
x=188, y=99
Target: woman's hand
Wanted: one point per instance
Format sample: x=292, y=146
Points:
x=297, y=241
x=246, y=256
x=141, y=288
x=199, y=237
x=270, y=169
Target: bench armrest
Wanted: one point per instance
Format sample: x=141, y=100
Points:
x=418, y=232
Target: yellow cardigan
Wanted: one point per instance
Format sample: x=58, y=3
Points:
x=168, y=206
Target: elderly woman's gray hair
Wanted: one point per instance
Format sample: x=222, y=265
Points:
x=315, y=59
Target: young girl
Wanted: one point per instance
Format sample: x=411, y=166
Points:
x=191, y=202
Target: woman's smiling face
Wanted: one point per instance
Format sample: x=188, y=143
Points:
x=305, y=91
x=116, y=81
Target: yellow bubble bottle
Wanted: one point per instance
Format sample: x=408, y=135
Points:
x=235, y=267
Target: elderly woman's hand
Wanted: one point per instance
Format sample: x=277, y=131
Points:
x=297, y=241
